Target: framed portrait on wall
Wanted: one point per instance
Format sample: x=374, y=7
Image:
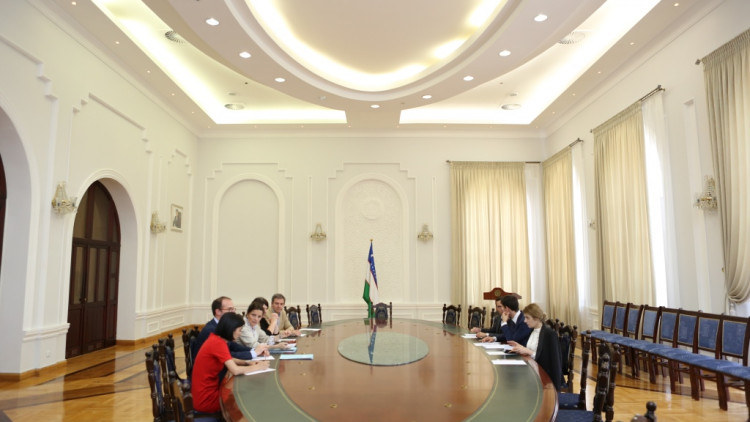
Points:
x=176, y=218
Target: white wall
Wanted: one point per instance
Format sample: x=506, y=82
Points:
x=671, y=64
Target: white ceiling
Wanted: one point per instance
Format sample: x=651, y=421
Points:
x=339, y=59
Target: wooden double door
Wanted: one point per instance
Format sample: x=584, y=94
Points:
x=94, y=274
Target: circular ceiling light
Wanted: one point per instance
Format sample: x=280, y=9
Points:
x=234, y=106
x=245, y=55
x=280, y=80
x=510, y=107
x=212, y=21
x=375, y=106
x=540, y=17
x=468, y=78
x=426, y=97
x=504, y=53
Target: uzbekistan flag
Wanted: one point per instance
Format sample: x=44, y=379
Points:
x=370, y=293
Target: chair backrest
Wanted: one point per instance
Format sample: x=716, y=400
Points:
x=293, y=314
x=451, y=314
x=585, y=353
x=476, y=317
x=184, y=400
x=154, y=383
x=707, y=334
x=382, y=311
x=618, y=324
x=166, y=367
x=633, y=320
x=602, y=385
x=650, y=327
x=314, y=314
x=668, y=325
x=568, y=337
x=609, y=407
x=687, y=321
x=649, y=416
x=608, y=315
x=735, y=337
x=189, y=338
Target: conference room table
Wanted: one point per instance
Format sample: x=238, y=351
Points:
x=420, y=371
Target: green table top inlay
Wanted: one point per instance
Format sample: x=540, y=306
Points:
x=383, y=349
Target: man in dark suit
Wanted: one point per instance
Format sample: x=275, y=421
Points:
x=509, y=326
x=219, y=307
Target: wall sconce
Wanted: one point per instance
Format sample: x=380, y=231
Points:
x=318, y=234
x=61, y=204
x=425, y=233
x=706, y=201
x=156, y=225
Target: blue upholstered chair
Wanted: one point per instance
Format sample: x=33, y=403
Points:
x=608, y=317
x=677, y=358
x=570, y=400
x=293, y=313
x=189, y=340
x=451, y=314
x=159, y=408
x=314, y=315
x=603, y=394
x=476, y=317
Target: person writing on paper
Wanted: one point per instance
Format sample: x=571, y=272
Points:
x=213, y=357
x=543, y=345
x=509, y=326
x=270, y=321
x=277, y=307
x=251, y=335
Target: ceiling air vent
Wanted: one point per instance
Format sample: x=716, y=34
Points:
x=572, y=38
x=174, y=37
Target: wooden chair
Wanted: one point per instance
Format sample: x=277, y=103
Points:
x=294, y=315
x=184, y=403
x=600, y=395
x=166, y=367
x=613, y=324
x=476, y=317
x=314, y=314
x=683, y=345
x=650, y=415
x=451, y=314
x=568, y=337
x=646, y=341
x=159, y=407
x=570, y=400
x=382, y=311
x=189, y=338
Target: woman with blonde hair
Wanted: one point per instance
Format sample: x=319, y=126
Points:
x=543, y=345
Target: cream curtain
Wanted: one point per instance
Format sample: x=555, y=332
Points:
x=622, y=209
x=489, y=245
x=727, y=79
x=560, y=234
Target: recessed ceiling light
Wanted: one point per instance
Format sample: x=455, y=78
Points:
x=73, y=3
x=374, y=105
x=234, y=106
x=245, y=55
x=212, y=21
x=504, y=53
x=117, y=42
x=632, y=42
x=540, y=17
x=676, y=4
x=468, y=78
x=426, y=97
x=280, y=80
x=510, y=106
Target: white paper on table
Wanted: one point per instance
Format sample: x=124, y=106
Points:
x=309, y=329
x=496, y=346
x=508, y=362
x=264, y=358
x=260, y=372
x=469, y=335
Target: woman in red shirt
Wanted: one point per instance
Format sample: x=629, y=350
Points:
x=212, y=357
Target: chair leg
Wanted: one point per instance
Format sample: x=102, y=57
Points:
x=694, y=382
x=723, y=390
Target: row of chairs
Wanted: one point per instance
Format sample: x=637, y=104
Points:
x=476, y=315
x=170, y=394
x=674, y=342
x=314, y=315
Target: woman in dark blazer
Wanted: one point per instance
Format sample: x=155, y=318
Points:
x=543, y=344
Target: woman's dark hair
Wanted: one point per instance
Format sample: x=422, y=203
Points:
x=262, y=301
x=229, y=322
x=255, y=305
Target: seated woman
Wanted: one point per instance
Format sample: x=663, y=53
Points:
x=251, y=334
x=212, y=357
x=543, y=345
x=270, y=321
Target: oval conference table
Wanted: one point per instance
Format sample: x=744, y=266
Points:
x=421, y=371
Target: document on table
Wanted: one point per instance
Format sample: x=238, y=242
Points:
x=496, y=346
x=469, y=335
x=508, y=362
x=501, y=353
x=301, y=356
x=264, y=358
x=309, y=329
x=260, y=372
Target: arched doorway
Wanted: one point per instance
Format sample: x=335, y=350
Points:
x=94, y=274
